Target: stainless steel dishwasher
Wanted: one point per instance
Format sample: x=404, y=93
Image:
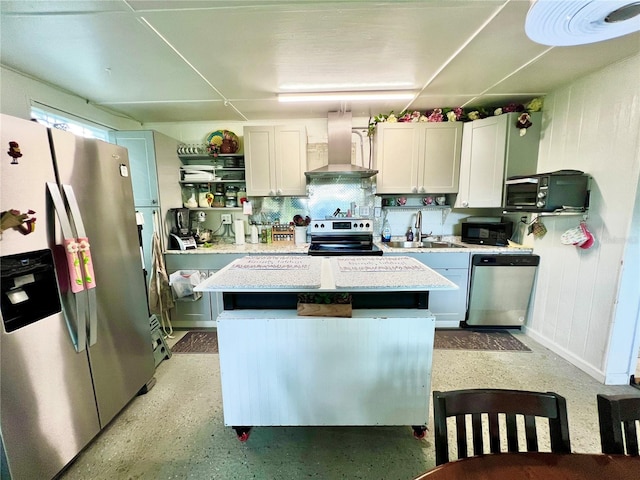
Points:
x=500, y=289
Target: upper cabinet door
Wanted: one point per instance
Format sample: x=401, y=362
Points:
x=483, y=172
x=418, y=157
x=291, y=160
x=142, y=159
x=275, y=160
x=397, y=157
x=439, y=168
x=259, y=155
x=492, y=151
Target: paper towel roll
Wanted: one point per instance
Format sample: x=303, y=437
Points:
x=239, y=229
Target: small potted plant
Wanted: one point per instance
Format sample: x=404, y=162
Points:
x=321, y=304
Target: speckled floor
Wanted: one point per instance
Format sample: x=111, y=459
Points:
x=176, y=431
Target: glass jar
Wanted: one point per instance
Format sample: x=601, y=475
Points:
x=205, y=197
x=189, y=196
x=242, y=194
x=231, y=196
x=218, y=200
x=269, y=233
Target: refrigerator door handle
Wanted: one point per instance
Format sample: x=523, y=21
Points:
x=76, y=284
x=85, y=261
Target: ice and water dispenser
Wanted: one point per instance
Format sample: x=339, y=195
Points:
x=29, y=288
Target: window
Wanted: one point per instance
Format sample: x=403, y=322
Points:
x=74, y=125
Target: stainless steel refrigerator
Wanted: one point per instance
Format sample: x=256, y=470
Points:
x=75, y=345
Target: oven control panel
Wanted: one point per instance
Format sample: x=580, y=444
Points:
x=342, y=226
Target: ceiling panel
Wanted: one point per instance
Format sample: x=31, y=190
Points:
x=486, y=61
x=32, y=7
x=265, y=51
x=192, y=60
x=560, y=65
x=105, y=57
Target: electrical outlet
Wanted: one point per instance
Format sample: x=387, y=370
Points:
x=226, y=218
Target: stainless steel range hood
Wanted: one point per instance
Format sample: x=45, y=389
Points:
x=339, y=138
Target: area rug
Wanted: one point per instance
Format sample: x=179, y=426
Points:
x=489, y=340
x=197, y=342
x=478, y=340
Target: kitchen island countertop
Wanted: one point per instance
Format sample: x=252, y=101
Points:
x=308, y=273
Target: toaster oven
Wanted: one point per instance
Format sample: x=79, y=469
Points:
x=547, y=192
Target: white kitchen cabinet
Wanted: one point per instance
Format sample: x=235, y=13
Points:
x=492, y=151
x=153, y=164
x=448, y=306
x=201, y=313
x=418, y=157
x=275, y=160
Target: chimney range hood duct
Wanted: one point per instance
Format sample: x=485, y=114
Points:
x=339, y=138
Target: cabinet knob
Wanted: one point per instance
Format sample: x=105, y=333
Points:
x=271, y=193
x=414, y=190
x=154, y=201
x=278, y=192
x=465, y=204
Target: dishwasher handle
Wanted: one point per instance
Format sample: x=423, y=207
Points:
x=506, y=260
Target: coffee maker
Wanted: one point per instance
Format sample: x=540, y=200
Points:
x=181, y=237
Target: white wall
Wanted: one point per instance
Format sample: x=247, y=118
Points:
x=19, y=92
x=586, y=301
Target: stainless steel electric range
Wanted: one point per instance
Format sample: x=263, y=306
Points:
x=342, y=236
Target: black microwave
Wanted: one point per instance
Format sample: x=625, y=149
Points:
x=547, y=192
x=486, y=233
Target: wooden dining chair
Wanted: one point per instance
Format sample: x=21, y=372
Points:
x=493, y=402
x=617, y=416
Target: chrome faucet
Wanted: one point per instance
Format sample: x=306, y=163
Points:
x=418, y=235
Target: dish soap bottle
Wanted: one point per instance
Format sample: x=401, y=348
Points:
x=409, y=235
x=386, y=231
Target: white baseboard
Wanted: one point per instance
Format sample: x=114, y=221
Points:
x=194, y=324
x=447, y=324
x=573, y=359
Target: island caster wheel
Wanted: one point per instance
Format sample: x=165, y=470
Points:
x=419, y=431
x=243, y=433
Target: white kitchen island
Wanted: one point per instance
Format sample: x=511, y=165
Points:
x=279, y=368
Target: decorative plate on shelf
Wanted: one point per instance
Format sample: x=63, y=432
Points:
x=222, y=141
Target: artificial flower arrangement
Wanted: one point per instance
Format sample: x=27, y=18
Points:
x=458, y=114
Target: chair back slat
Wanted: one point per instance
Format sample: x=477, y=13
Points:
x=531, y=433
x=461, y=432
x=560, y=435
x=512, y=432
x=494, y=433
x=493, y=402
x=476, y=426
x=631, y=437
x=617, y=415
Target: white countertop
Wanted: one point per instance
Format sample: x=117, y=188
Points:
x=290, y=248
x=282, y=273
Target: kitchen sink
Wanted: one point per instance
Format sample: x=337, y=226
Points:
x=426, y=244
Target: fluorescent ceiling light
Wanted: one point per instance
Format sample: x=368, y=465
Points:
x=343, y=96
x=579, y=22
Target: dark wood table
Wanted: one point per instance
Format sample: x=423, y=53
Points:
x=543, y=466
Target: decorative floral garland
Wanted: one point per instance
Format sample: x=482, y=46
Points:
x=459, y=115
